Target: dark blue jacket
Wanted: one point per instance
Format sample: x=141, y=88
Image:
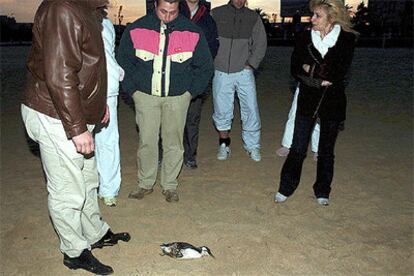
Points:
x=205, y=21
x=183, y=64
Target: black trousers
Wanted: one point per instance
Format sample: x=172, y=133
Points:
x=292, y=168
x=191, y=129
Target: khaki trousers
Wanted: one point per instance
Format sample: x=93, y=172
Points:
x=153, y=114
x=72, y=182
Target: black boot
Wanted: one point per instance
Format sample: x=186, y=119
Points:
x=88, y=262
x=110, y=239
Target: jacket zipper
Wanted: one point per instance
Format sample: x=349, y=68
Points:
x=164, y=61
x=231, y=43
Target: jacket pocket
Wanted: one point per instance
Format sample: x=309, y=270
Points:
x=181, y=57
x=144, y=55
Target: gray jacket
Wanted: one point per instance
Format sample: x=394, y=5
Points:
x=242, y=38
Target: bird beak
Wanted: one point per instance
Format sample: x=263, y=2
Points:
x=209, y=252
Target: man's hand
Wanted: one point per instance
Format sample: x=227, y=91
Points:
x=84, y=143
x=248, y=67
x=105, y=118
x=306, y=67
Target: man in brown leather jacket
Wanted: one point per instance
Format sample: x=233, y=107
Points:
x=64, y=99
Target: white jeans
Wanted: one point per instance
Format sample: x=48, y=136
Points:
x=72, y=183
x=224, y=87
x=290, y=126
x=107, y=153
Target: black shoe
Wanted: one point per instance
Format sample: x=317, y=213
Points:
x=88, y=262
x=110, y=239
x=191, y=164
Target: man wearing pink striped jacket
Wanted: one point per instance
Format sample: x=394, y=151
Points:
x=167, y=62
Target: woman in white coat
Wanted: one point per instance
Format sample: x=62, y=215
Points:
x=288, y=134
x=107, y=136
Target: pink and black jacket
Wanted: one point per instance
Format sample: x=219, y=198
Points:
x=165, y=59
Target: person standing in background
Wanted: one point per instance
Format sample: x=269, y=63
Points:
x=107, y=136
x=199, y=13
x=289, y=127
x=243, y=44
x=320, y=62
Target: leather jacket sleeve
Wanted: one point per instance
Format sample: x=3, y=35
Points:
x=62, y=62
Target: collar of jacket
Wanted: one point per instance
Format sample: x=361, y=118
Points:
x=170, y=25
x=185, y=10
x=184, y=6
x=234, y=9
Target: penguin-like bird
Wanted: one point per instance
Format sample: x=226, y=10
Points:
x=183, y=250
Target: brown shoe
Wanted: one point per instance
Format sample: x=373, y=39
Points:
x=140, y=193
x=170, y=195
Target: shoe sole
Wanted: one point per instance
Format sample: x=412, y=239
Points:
x=147, y=192
x=169, y=199
x=110, y=203
x=192, y=167
x=255, y=160
x=223, y=158
x=172, y=200
x=75, y=267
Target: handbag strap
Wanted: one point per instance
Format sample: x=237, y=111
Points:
x=312, y=54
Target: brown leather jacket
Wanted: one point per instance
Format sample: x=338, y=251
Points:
x=67, y=67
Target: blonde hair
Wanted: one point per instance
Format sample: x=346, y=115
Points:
x=337, y=13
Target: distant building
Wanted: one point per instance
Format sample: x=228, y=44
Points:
x=7, y=20
x=392, y=16
x=290, y=8
x=11, y=31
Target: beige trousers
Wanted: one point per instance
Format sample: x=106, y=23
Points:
x=167, y=114
x=72, y=182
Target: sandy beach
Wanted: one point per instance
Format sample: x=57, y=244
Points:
x=228, y=205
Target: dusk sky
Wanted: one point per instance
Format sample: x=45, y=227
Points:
x=24, y=10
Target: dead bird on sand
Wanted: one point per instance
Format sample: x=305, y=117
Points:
x=183, y=250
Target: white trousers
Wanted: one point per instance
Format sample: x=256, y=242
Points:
x=224, y=87
x=107, y=153
x=290, y=127
x=72, y=183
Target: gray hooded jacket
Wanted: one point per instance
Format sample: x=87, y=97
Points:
x=242, y=38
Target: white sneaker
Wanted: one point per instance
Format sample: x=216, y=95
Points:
x=223, y=152
x=110, y=201
x=323, y=201
x=283, y=151
x=255, y=155
x=279, y=198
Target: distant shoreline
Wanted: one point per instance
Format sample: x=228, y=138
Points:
x=15, y=43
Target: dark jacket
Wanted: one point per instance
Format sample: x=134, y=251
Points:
x=242, y=38
x=203, y=19
x=183, y=63
x=67, y=67
x=333, y=67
